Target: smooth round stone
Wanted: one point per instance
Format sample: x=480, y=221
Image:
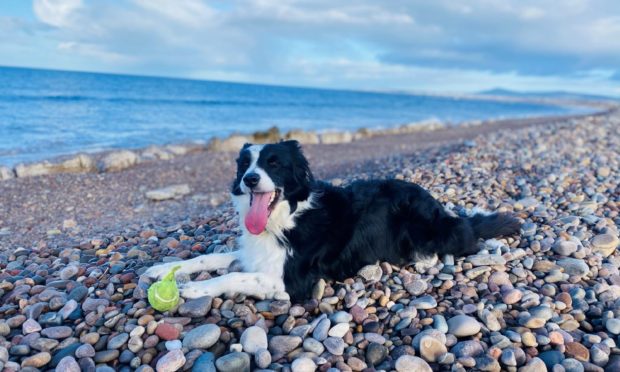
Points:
x=37, y=360
x=313, y=346
x=572, y=365
x=599, y=354
x=574, y=267
x=57, y=333
x=85, y=351
x=30, y=326
x=551, y=358
x=205, y=363
x=202, y=337
x=253, y=339
x=466, y=349
x=280, y=345
x=613, y=326
x=339, y=330
x=262, y=358
x=463, y=326
x=543, y=312
x=334, y=345
x=512, y=296
x=606, y=244
x=105, y=356
x=303, y=365
x=371, y=273
x=69, y=272
x=341, y=317
x=428, y=332
x=565, y=248
x=424, y=303
x=68, y=364
x=196, y=308
x=118, y=341
x=432, y=348
x=233, y=362
x=374, y=337
x=417, y=287
x=170, y=362
x=321, y=331
x=375, y=354
x=408, y=363
x=173, y=345
x=534, y=365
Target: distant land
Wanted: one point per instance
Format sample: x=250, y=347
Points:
x=550, y=94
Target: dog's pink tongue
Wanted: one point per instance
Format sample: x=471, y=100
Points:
x=256, y=219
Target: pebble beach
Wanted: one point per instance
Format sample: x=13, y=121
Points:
x=73, y=246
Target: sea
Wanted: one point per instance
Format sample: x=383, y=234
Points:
x=45, y=114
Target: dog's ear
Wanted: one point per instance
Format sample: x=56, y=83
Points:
x=245, y=146
x=291, y=144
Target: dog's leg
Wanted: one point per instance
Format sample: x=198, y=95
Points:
x=258, y=285
x=207, y=262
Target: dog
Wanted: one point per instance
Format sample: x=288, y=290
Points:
x=296, y=230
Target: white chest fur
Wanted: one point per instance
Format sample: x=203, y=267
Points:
x=266, y=252
x=262, y=253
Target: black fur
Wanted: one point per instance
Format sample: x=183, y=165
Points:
x=365, y=222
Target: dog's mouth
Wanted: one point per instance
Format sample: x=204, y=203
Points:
x=261, y=205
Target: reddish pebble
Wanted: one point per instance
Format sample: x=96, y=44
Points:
x=167, y=332
x=556, y=338
x=577, y=351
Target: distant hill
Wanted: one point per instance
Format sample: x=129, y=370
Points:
x=551, y=94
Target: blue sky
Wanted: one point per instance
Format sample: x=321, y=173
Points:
x=418, y=45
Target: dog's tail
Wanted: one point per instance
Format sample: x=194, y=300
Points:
x=487, y=226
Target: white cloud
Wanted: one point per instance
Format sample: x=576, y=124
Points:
x=56, y=13
x=525, y=44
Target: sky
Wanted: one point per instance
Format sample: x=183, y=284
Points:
x=442, y=46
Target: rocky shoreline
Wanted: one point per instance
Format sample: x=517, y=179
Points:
x=547, y=299
x=117, y=160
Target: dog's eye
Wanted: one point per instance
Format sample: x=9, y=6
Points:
x=273, y=162
x=243, y=162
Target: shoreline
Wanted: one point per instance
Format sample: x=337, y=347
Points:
x=118, y=159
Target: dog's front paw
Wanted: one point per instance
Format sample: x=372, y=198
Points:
x=193, y=290
x=158, y=271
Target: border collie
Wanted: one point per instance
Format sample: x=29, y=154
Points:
x=296, y=230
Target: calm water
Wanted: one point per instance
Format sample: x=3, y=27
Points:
x=49, y=113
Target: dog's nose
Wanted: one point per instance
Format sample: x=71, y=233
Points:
x=251, y=179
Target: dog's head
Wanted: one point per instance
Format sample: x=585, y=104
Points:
x=271, y=180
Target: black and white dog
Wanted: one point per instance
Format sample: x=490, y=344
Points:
x=297, y=230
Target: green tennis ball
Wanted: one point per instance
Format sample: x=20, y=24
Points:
x=164, y=294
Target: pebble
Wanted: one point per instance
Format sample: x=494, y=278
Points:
x=432, y=348
x=202, y=337
x=281, y=345
x=233, y=362
x=375, y=354
x=253, y=339
x=68, y=364
x=196, y=308
x=334, y=345
x=371, y=273
x=37, y=360
x=171, y=361
x=262, y=358
x=463, y=326
x=205, y=363
x=303, y=365
x=424, y=303
x=409, y=363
